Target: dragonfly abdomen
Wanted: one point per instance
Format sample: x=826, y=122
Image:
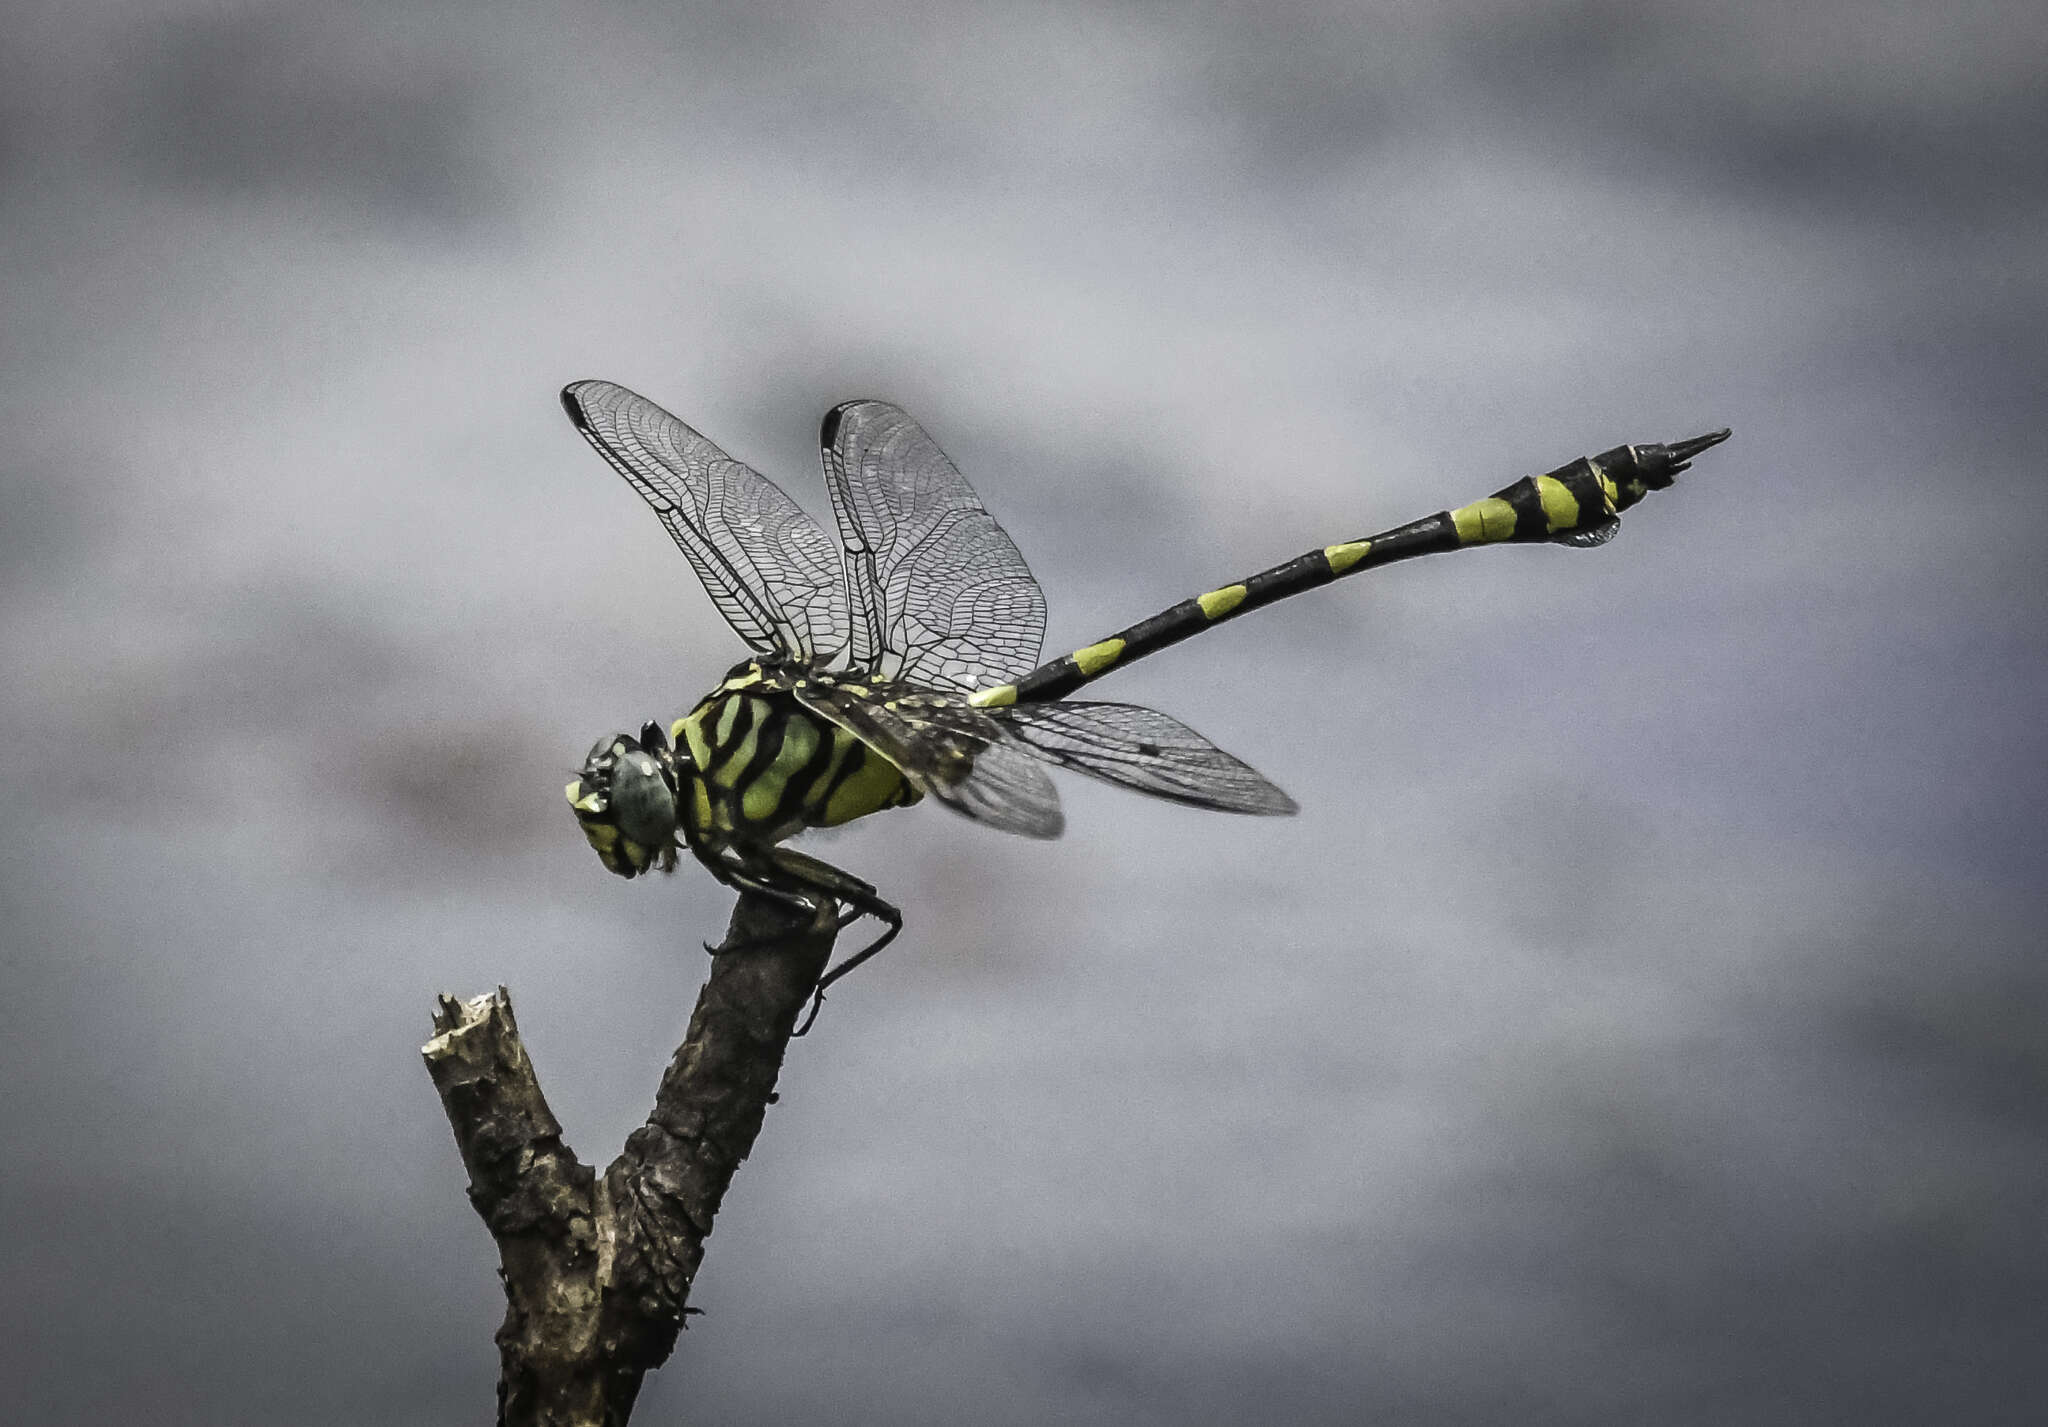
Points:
x=1576, y=503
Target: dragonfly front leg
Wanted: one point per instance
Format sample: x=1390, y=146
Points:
x=730, y=867
x=782, y=872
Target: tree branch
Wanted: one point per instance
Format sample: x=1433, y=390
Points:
x=597, y=1272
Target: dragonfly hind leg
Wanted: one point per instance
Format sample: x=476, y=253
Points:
x=797, y=881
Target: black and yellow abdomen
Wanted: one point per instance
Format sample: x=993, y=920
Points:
x=1577, y=504
x=763, y=767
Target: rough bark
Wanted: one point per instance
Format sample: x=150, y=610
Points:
x=597, y=1270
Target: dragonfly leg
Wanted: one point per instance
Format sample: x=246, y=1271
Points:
x=892, y=921
x=859, y=898
x=802, y=884
x=741, y=877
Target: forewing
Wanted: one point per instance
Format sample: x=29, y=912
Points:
x=1142, y=748
x=938, y=593
x=948, y=750
x=764, y=562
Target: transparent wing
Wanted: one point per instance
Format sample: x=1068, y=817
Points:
x=938, y=593
x=766, y=564
x=948, y=750
x=1009, y=791
x=1143, y=749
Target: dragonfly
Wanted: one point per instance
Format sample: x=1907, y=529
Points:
x=902, y=662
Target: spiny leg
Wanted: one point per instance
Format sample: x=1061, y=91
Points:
x=796, y=871
x=801, y=889
x=795, y=879
x=739, y=876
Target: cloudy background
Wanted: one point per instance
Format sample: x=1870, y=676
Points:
x=1646, y=1019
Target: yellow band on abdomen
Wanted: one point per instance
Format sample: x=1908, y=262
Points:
x=1560, y=506
x=1097, y=657
x=1484, y=521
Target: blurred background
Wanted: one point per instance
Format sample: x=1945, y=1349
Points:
x=1646, y=1019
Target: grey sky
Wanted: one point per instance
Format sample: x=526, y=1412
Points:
x=1644, y=1019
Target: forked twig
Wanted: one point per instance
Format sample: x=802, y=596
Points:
x=597, y=1271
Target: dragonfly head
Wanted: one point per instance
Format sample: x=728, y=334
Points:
x=625, y=800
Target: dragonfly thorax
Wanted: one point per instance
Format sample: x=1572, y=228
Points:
x=757, y=765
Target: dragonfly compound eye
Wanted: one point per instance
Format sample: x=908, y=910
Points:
x=643, y=800
x=625, y=800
